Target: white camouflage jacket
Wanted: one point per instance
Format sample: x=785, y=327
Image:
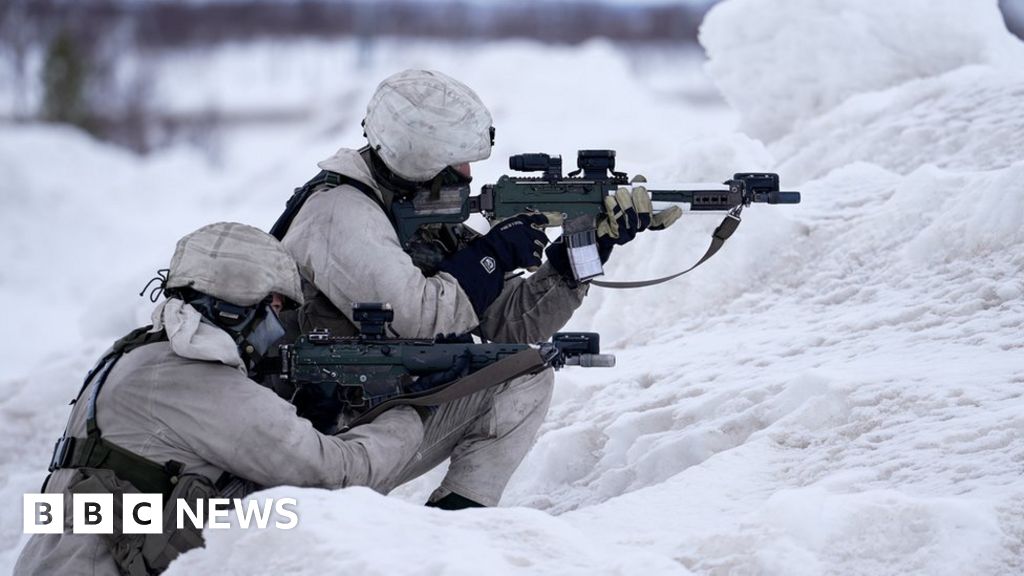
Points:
x=347, y=248
x=187, y=400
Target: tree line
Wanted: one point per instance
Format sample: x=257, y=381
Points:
x=161, y=23
x=81, y=42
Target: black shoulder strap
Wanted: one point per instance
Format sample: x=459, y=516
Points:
x=95, y=452
x=298, y=199
x=134, y=339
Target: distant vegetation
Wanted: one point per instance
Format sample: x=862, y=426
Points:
x=172, y=23
x=81, y=40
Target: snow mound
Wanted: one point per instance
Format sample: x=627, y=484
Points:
x=782, y=61
x=335, y=531
x=967, y=119
x=839, y=391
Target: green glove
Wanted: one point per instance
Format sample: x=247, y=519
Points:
x=628, y=212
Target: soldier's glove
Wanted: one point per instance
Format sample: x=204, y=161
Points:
x=518, y=241
x=626, y=214
x=511, y=244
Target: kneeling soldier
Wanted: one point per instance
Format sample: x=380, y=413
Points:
x=170, y=409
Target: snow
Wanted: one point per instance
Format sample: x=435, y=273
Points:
x=839, y=391
x=780, y=62
x=529, y=541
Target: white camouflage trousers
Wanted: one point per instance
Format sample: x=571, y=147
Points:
x=486, y=435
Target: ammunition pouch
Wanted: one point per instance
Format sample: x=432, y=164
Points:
x=143, y=554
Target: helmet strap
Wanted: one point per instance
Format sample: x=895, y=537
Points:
x=251, y=327
x=392, y=183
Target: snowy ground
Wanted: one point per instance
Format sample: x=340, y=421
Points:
x=840, y=391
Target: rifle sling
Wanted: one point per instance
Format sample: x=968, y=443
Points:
x=718, y=238
x=521, y=363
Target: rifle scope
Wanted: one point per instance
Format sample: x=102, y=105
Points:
x=551, y=166
x=594, y=164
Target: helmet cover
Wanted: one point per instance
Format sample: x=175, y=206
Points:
x=236, y=263
x=421, y=121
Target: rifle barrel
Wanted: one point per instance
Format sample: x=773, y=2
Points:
x=783, y=197
x=684, y=196
x=700, y=200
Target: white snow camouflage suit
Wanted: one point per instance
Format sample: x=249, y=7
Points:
x=348, y=252
x=173, y=401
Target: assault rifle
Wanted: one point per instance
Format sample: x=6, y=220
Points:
x=579, y=199
x=361, y=376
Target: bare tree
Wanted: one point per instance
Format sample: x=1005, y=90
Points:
x=16, y=38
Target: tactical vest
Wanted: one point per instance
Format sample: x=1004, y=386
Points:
x=102, y=466
x=94, y=451
x=430, y=246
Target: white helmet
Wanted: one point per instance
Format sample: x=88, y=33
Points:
x=235, y=263
x=421, y=121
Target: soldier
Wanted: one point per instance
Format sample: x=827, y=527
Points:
x=171, y=409
x=423, y=130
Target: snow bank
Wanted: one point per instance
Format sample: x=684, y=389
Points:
x=837, y=392
x=357, y=531
x=866, y=531
x=782, y=61
x=844, y=382
x=86, y=224
x=967, y=119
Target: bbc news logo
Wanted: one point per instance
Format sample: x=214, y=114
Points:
x=144, y=513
